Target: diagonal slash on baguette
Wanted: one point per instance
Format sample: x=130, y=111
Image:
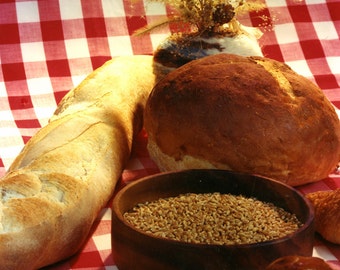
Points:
x=67, y=172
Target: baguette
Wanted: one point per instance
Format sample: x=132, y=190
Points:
x=67, y=172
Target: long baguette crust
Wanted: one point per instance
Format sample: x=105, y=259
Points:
x=67, y=172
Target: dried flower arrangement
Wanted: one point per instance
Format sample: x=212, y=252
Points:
x=206, y=17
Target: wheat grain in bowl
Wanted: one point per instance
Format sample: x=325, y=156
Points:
x=213, y=218
x=157, y=252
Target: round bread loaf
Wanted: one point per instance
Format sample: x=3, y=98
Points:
x=247, y=114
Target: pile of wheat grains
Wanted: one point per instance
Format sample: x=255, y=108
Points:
x=213, y=218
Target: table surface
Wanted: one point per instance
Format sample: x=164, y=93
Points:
x=48, y=47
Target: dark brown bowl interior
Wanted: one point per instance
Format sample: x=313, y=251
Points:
x=133, y=249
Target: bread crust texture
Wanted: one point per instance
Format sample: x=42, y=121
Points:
x=247, y=114
x=63, y=177
x=327, y=213
x=294, y=262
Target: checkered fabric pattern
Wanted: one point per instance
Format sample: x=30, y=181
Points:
x=48, y=47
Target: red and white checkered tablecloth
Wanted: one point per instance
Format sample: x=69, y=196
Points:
x=48, y=47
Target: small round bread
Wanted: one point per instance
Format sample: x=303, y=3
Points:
x=327, y=213
x=298, y=263
x=246, y=114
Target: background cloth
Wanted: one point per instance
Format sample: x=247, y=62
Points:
x=48, y=47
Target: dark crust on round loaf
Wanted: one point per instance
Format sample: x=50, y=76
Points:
x=229, y=109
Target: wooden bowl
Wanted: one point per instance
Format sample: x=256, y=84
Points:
x=134, y=249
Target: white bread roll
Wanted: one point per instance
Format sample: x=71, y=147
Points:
x=247, y=114
x=67, y=172
x=179, y=49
